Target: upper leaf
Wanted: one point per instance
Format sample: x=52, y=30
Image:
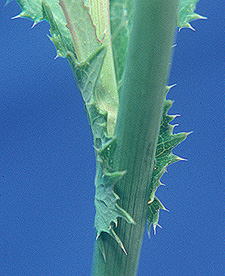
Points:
x=34, y=11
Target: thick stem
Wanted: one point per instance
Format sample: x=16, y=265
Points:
x=140, y=110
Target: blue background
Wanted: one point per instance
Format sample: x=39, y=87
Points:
x=47, y=162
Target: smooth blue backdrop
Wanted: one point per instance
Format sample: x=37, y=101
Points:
x=47, y=160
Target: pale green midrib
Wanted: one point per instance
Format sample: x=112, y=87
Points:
x=147, y=66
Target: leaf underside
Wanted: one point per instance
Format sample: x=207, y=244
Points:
x=87, y=75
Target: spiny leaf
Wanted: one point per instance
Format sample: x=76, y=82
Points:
x=89, y=32
x=186, y=13
x=87, y=74
x=153, y=214
x=163, y=158
x=107, y=209
x=81, y=45
x=87, y=60
x=88, y=78
x=62, y=44
x=34, y=11
x=87, y=71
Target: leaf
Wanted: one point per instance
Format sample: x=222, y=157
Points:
x=63, y=45
x=81, y=28
x=107, y=209
x=153, y=214
x=34, y=10
x=167, y=141
x=87, y=71
x=81, y=45
x=88, y=34
x=82, y=34
x=186, y=13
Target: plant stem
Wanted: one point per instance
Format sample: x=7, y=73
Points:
x=140, y=110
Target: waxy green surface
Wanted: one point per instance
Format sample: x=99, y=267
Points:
x=97, y=54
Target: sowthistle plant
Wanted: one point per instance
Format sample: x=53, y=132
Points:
x=120, y=52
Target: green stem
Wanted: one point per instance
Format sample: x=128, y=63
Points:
x=140, y=111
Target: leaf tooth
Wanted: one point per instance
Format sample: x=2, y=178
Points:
x=154, y=227
x=195, y=16
x=34, y=24
x=175, y=158
x=175, y=125
x=190, y=27
x=107, y=145
x=168, y=87
x=161, y=184
x=161, y=205
x=17, y=16
x=118, y=240
x=100, y=243
x=192, y=17
x=98, y=235
x=168, y=104
x=174, y=116
x=153, y=215
x=181, y=159
x=23, y=13
x=188, y=133
x=26, y=13
x=200, y=16
x=123, y=214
